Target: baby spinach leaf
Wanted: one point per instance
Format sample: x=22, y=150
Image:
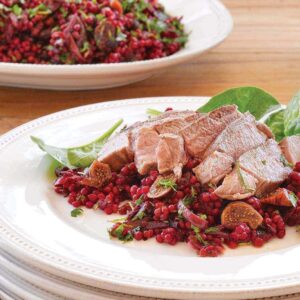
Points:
x=292, y=116
x=252, y=99
x=81, y=156
x=276, y=124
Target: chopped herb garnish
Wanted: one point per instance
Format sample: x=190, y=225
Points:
x=17, y=10
x=139, y=216
x=41, y=9
x=140, y=200
x=153, y=112
x=203, y=216
x=264, y=162
x=285, y=162
x=167, y=183
x=293, y=198
x=85, y=47
x=298, y=228
x=244, y=244
x=76, y=212
x=187, y=200
x=118, y=232
x=118, y=220
x=213, y=229
x=243, y=179
x=120, y=35
x=198, y=235
x=193, y=192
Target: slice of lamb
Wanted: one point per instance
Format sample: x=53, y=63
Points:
x=170, y=154
x=117, y=151
x=238, y=137
x=175, y=122
x=290, y=147
x=237, y=185
x=266, y=165
x=144, y=146
x=198, y=135
x=214, y=168
x=265, y=129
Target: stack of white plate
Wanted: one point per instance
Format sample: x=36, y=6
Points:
x=47, y=254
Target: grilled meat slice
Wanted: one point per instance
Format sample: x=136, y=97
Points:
x=290, y=147
x=200, y=133
x=214, y=168
x=170, y=154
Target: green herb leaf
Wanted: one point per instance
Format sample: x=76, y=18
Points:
x=85, y=47
x=118, y=220
x=41, y=9
x=140, y=200
x=167, y=183
x=198, y=235
x=17, y=10
x=76, y=212
x=242, y=179
x=252, y=99
x=276, y=123
x=81, y=156
x=118, y=232
x=193, y=192
x=203, y=216
x=153, y=112
x=292, y=116
x=188, y=200
x=139, y=216
x=213, y=229
x=293, y=198
x=285, y=161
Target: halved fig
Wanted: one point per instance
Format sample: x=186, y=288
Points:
x=281, y=197
x=240, y=212
x=162, y=186
x=99, y=174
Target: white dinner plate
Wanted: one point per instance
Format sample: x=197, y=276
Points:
x=22, y=280
x=207, y=21
x=36, y=226
x=18, y=280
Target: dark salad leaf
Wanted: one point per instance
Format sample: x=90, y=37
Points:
x=81, y=156
x=252, y=99
x=275, y=122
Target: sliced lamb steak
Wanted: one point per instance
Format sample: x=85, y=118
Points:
x=117, y=151
x=214, y=168
x=170, y=154
x=266, y=165
x=144, y=147
x=237, y=185
x=290, y=147
x=238, y=137
x=200, y=133
x=260, y=169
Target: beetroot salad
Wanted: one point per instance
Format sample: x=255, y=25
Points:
x=212, y=178
x=87, y=31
